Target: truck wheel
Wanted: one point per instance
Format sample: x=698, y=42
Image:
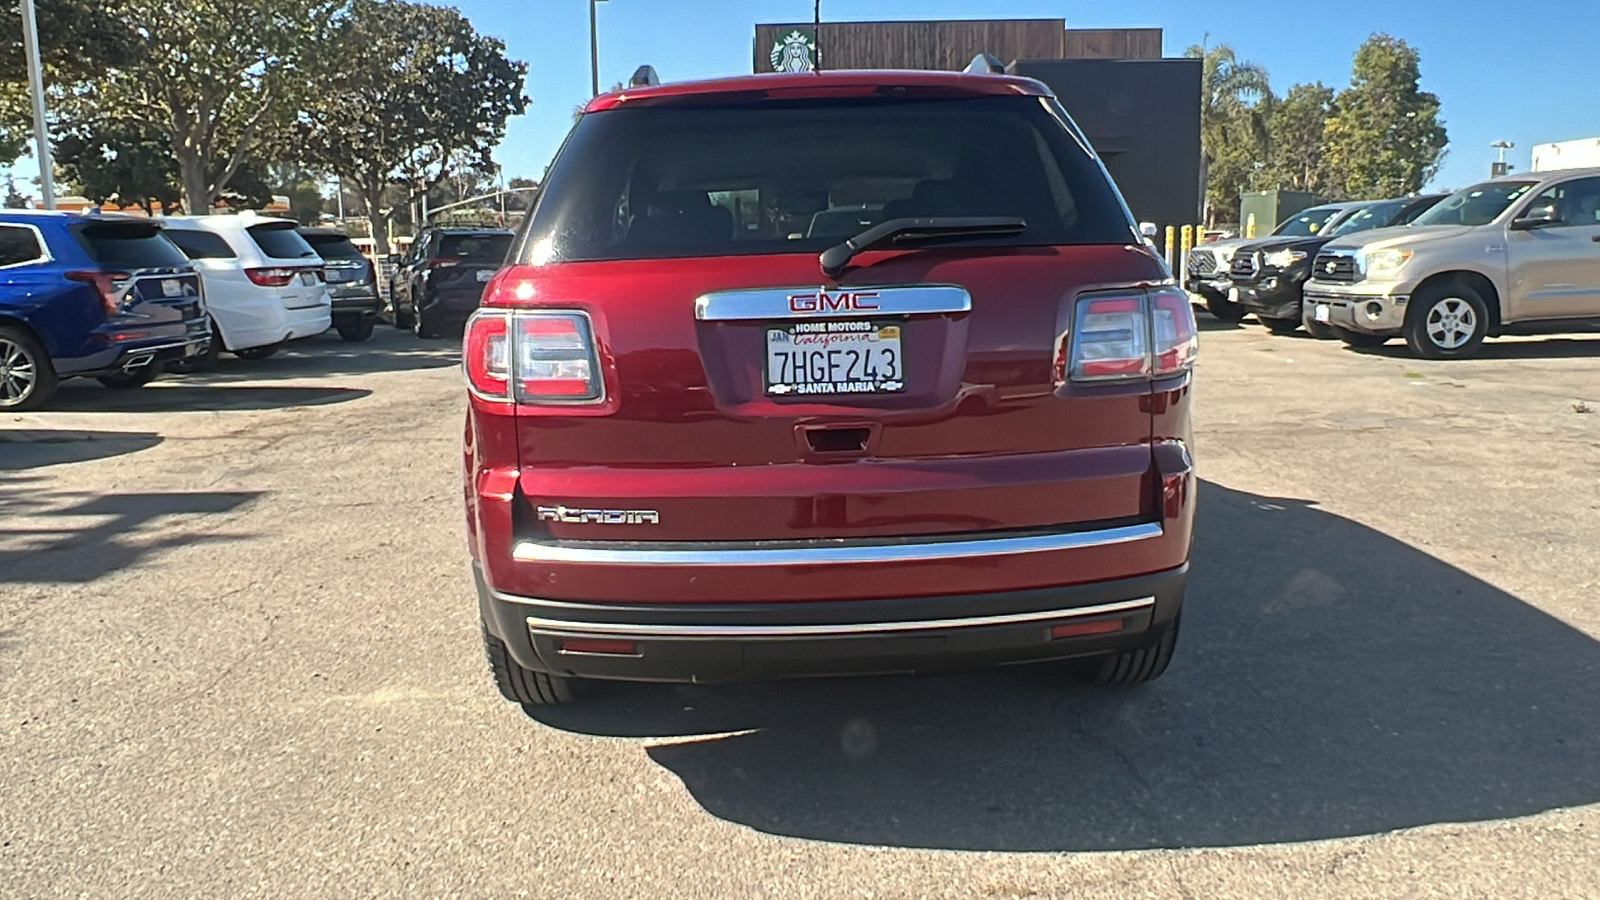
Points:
x=1446, y=321
x=1133, y=667
x=27, y=377
x=519, y=685
x=403, y=318
x=258, y=352
x=1280, y=326
x=1224, y=309
x=137, y=378
x=1359, y=339
x=357, y=331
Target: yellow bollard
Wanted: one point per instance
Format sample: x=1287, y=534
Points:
x=1250, y=227
x=1170, y=249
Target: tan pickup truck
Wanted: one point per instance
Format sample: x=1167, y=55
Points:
x=1516, y=255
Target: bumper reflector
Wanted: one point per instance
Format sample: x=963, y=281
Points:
x=1082, y=629
x=599, y=646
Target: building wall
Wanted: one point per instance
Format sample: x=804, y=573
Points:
x=1111, y=43
x=947, y=45
x=1143, y=118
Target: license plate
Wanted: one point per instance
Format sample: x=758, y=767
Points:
x=1233, y=295
x=1321, y=312
x=485, y=274
x=171, y=287
x=835, y=357
x=308, y=278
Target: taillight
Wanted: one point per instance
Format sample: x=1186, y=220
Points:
x=271, y=277
x=112, y=287
x=443, y=262
x=534, y=357
x=1176, y=338
x=486, y=354
x=1135, y=335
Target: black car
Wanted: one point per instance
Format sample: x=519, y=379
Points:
x=1269, y=276
x=352, y=282
x=440, y=279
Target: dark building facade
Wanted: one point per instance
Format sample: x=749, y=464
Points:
x=1141, y=112
x=1143, y=118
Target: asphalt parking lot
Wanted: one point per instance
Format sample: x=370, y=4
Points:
x=239, y=657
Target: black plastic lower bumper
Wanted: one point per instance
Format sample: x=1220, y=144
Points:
x=1280, y=301
x=756, y=641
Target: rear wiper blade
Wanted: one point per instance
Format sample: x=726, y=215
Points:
x=835, y=259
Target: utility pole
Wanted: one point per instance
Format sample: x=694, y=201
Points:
x=594, y=49
x=41, y=132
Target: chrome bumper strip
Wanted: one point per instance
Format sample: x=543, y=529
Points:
x=833, y=554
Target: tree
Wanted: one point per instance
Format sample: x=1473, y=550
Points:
x=1233, y=132
x=526, y=191
x=213, y=76
x=78, y=40
x=126, y=162
x=1383, y=136
x=415, y=93
x=1296, y=123
x=302, y=187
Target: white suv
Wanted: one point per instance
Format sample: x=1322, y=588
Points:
x=263, y=282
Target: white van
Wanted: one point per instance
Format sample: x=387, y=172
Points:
x=263, y=282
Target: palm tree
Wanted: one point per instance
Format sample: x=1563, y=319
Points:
x=1231, y=91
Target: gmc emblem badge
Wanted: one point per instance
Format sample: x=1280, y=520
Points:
x=843, y=301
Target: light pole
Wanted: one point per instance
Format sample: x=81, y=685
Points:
x=594, y=49
x=1500, y=167
x=41, y=133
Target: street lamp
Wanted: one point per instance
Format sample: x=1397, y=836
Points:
x=41, y=132
x=594, y=50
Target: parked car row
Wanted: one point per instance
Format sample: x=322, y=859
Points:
x=121, y=298
x=1518, y=254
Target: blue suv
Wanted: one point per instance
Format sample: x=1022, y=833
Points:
x=91, y=295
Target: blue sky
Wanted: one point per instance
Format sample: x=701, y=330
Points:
x=1504, y=71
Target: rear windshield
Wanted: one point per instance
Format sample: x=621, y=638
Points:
x=281, y=242
x=200, y=244
x=132, y=245
x=484, y=248
x=333, y=246
x=1308, y=223
x=735, y=179
x=1476, y=205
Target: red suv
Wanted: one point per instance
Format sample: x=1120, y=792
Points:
x=827, y=374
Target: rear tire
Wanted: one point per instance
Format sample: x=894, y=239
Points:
x=1359, y=339
x=203, y=361
x=424, y=328
x=1280, y=326
x=403, y=318
x=1224, y=309
x=256, y=353
x=138, y=378
x=356, y=332
x=519, y=685
x=27, y=377
x=1134, y=667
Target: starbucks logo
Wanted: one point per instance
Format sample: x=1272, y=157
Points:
x=793, y=52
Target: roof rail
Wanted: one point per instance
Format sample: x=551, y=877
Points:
x=644, y=76
x=985, y=64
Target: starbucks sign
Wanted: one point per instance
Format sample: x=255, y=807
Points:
x=795, y=50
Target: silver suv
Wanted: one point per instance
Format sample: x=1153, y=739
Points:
x=1516, y=255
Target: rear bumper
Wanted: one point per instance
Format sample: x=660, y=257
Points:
x=355, y=304
x=129, y=357
x=754, y=641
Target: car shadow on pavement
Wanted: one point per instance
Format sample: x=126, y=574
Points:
x=1331, y=681
x=1535, y=348
x=34, y=448
x=163, y=396
x=59, y=538
x=326, y=355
